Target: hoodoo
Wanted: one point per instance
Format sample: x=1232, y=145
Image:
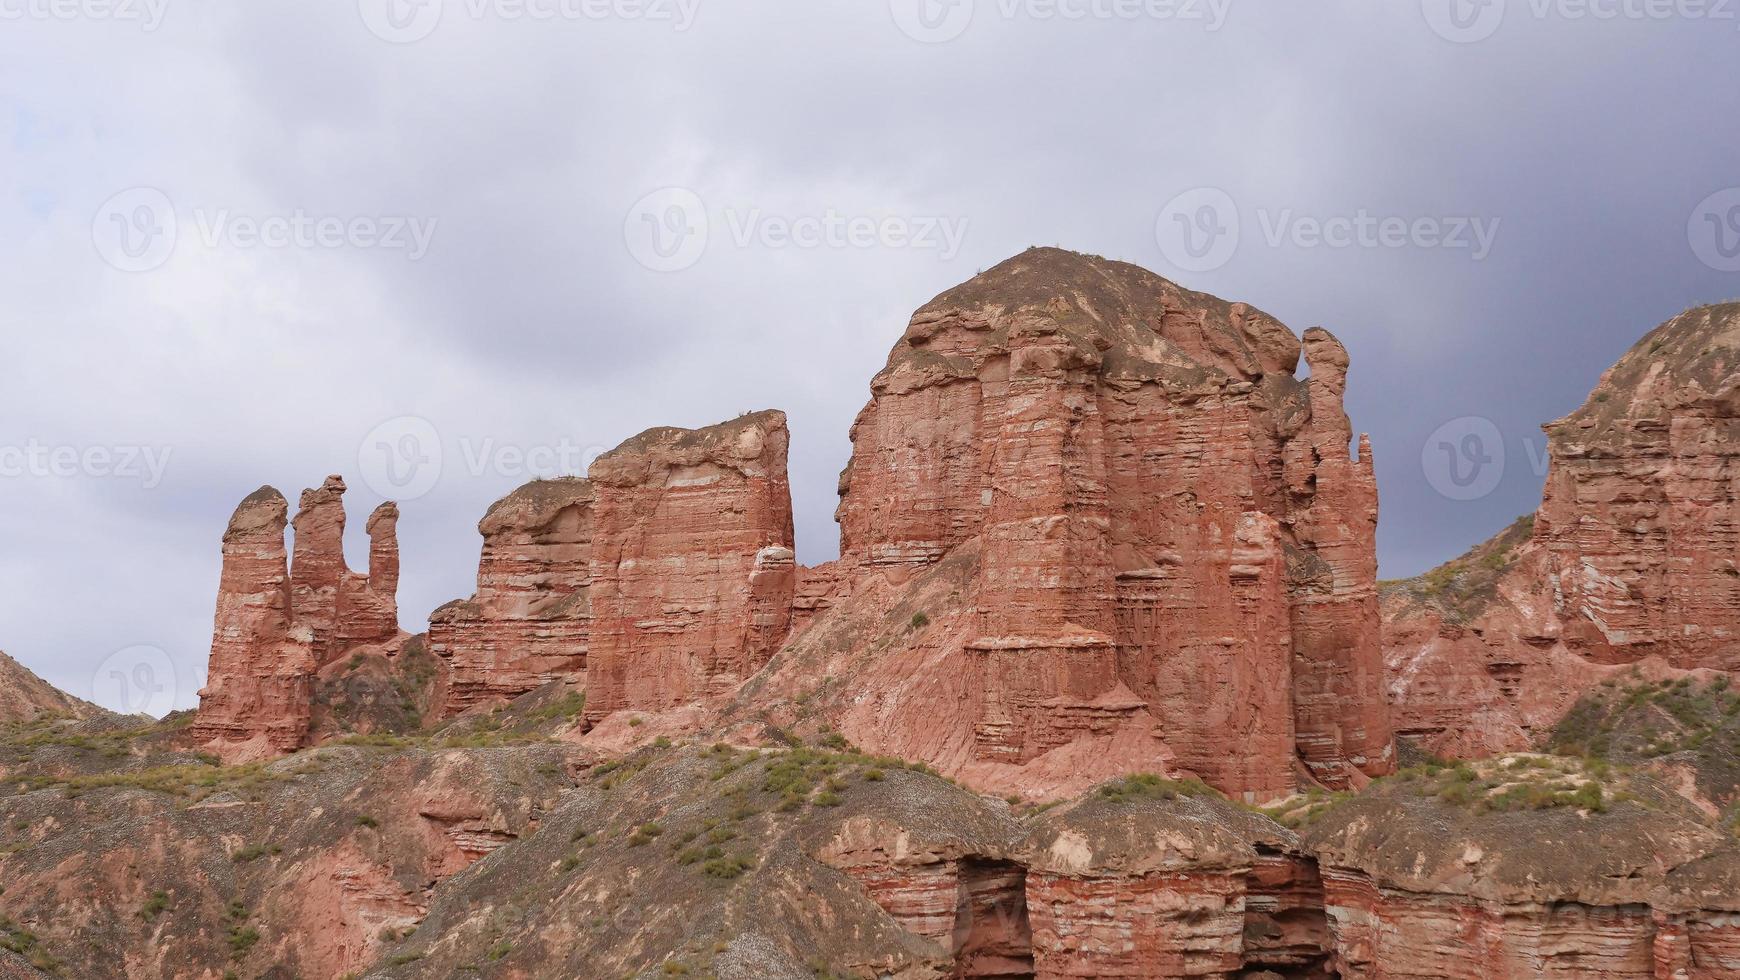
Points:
x=279, y=623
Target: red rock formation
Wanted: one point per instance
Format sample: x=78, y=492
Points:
x=528, y=623
x=1144, y=883
x=1641, y=517
x=1631, y=557
x=1419, y=888
x=25, y=697
x=341, y=608
x=693, y=572
x=1176, y=551
x=1337, y=635
x=260, y=677
x=277, y=625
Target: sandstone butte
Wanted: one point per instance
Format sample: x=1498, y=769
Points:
x=1093, y=525
x=1629, y=565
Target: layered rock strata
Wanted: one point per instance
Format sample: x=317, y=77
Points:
x=1176, y=548
x=693, y=572
x=529, y=621
x=259, y=684
x=278, y=623
x=1630, y=560
x=1421, y=888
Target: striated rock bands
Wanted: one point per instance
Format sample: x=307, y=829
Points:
x=260, y=677
x=693, y=573
x=1641, y=518
x=1630, y=559
x=278, y=623
x=1178, y=552
x=529, y=621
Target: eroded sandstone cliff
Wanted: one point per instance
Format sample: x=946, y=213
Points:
x=1167, y=548
x=692, y=564
x=529, y=621
x=1630, y=560
x=279, y=624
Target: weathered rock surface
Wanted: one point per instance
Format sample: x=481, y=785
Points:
x=1172, y=558
x=312, y=866
x=529, y=622
x=259, y=684
x=278, y=624
x=26, y=697
x=1630, y=559
x=1140, y=881
x=693, y=572
x=1451, y=885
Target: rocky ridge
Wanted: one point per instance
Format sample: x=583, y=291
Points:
x=1107, y=565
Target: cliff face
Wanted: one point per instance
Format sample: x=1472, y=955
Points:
x=1174, y=548
x=692, y=563
x=1640, y=521
x=1630, y=560
x=529, y=622
x=277, y=625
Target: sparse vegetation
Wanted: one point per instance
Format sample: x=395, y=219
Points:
x=1150, y=786
x=1514, y=783
x=154, y=905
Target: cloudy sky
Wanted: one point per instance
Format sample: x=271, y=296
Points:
x=442, y=247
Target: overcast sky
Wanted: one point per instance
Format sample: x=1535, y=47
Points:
x=443, y=248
